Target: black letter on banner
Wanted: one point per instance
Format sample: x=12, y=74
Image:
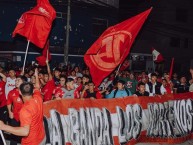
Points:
x=46, y=126
x=178, y=124
x=91, y=126
x=83, y=128
x=121, y=119
x=156, y=117
x=162, y=124
x=58, y=132
x=169, y=117
x=74, y=125
x=151, y=120
x=129, y=122
x=99, y=126
x=189, y=110
x=137, y=112
x=153, y=129
x=183, y=118
x=107, y=128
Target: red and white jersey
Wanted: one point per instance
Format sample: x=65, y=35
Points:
x=10, y=85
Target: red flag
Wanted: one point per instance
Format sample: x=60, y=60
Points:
x=157, y=57
x=125, y=65
x=36, y=24
x=112, y=47
x=171, y=68
x=45, y=53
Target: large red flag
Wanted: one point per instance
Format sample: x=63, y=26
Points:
x=112, y=47
x=45, y=54
x=36, y=24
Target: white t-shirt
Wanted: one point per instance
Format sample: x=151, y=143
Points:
x=10, y=85
x=162, y=90
x=153, y=89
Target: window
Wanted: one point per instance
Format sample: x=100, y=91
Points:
x=175, y=42
x=99, y=26
x=181, y=15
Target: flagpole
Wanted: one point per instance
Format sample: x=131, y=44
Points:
x=153, y=66
x=118, y=69
x=2, y=136
x=25, y=56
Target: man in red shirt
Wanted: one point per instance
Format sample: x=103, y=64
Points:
x=49, y=84
x=14, y=105
x=31, y=116
x=3, y=101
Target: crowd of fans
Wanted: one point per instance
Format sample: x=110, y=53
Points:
x=75, y=83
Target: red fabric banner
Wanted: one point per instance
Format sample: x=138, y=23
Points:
x=36, y=24
x=129, y=120
x=112, y=47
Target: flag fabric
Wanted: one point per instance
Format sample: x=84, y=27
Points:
x=45, y=54
x=171, y=68
x=113, y=46
x=125, y=65
x=157, y=56
x=36, y=24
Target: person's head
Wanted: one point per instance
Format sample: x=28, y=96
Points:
x=33, y=79
x=12, y=73
x=79, y=80
x=41, y=74
x=191, y=70
x=91, y=86
x=57, y=72
x=70, y=84
x=144, y=80
x=141, y=87
x=76, y=69
x=31, y=72
x=1, y=69
x=62, y=80
x=175, y=75
x=85, y=79
x=143, y=73
x=167, y=76
x=19, y=80
x=87, y=72
x=46, y=77
x=153, y=77
x=73, y=73
x=183, y=80
x=120, y=84
x=164, y=82
x=26, y=90
x=132, y=77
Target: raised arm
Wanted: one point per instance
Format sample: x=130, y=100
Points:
x=4, y=78
x=48, y=69
x=37, y=84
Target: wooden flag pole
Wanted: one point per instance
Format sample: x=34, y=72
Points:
x=153, y=66
x=118, y=70
x=2, y=136
x=25, y=56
